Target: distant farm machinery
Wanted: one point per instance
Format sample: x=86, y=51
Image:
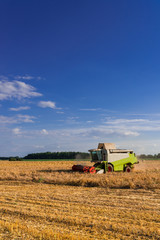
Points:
x=107, y=158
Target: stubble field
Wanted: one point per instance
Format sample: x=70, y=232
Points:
x=45, y=200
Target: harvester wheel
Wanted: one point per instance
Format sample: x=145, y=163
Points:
x=110, y=168
x=128, y=169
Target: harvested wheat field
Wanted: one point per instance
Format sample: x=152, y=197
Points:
x=45, y=200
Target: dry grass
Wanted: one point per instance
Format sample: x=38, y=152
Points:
x=44, y=200
x=145, y=176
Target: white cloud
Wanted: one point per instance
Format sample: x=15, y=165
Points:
x=133, y=124
x=100, y=131
x=25, y=118
x=73, y=118
x=60, y=112
x=104, y=110
x=131, y=133
x=47, y=104
x=16, y=89
x=2, y=77
x=24, y=77
x=16, y=119
x=79, y=139
x=44, y=131
x=90, y=109
x=76, y=139
x=7, y=120
x=16, y=131
x=125, y=121
x=19, y=108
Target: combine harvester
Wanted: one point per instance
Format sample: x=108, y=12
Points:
x=109, y=159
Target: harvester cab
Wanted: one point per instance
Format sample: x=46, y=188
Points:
x=100, y=156
x=101, y=153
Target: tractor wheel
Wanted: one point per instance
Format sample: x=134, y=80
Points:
x=128, y=169
x=110, y=168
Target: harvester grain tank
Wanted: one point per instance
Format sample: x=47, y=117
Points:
x=107, y=158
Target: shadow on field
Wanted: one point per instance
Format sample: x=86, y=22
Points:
x=54, y=171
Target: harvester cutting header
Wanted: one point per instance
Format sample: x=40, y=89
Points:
x=107, y=158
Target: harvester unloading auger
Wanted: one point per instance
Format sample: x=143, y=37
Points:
x=107, y=158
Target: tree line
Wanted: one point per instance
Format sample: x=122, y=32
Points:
x=4, y=158
x=58, y=155
x=69, y=155
x=149, y=156
x=50, y=155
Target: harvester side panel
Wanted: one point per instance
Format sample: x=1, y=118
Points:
x=119, y=165
x=112, y=157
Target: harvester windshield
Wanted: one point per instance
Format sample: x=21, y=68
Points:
x=96, y=155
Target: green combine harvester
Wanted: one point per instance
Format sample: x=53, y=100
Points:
x=109, y=159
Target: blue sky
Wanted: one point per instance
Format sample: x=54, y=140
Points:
x=75, y=73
